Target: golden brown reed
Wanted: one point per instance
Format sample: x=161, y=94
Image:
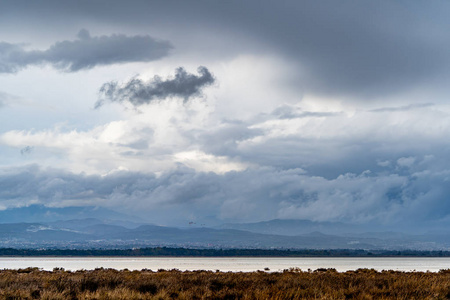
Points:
x=33, y=283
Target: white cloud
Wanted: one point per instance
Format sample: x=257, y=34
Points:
x=157, y=138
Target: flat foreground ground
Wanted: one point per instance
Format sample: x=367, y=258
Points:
x=291, y=284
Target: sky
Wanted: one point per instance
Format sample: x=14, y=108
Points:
x=228, y=111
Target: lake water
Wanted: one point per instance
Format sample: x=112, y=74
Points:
x=236, y=264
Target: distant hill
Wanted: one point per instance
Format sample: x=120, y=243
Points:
x=90, y=227
x=94, y=233
x=297, y=227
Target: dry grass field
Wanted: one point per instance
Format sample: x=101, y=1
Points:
x=174, y=284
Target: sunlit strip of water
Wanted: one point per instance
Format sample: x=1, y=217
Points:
x=235, y=264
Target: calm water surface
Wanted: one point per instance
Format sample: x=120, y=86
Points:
x=244, y=264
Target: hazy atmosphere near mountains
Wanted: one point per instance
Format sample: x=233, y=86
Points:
x=216, y=112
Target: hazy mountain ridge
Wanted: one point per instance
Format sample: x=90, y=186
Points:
x=93, y=233
x=91, y=227
x=295, y=227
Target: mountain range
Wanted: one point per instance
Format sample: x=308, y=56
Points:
x=100, y=228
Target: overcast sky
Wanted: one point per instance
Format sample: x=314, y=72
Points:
x=228, y=111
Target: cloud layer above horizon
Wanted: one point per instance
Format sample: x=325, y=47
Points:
x=301, y=110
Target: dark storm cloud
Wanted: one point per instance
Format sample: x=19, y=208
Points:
x=358, y=48
x=86, y=52
x=138, y=92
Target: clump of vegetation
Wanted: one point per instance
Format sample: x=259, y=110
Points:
x=32, y=283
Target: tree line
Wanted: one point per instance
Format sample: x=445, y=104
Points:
x=190, y=252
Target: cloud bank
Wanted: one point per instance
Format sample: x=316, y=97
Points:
x=137, y=92
x=183, y=194
x=297, y=164
x=86, y=52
